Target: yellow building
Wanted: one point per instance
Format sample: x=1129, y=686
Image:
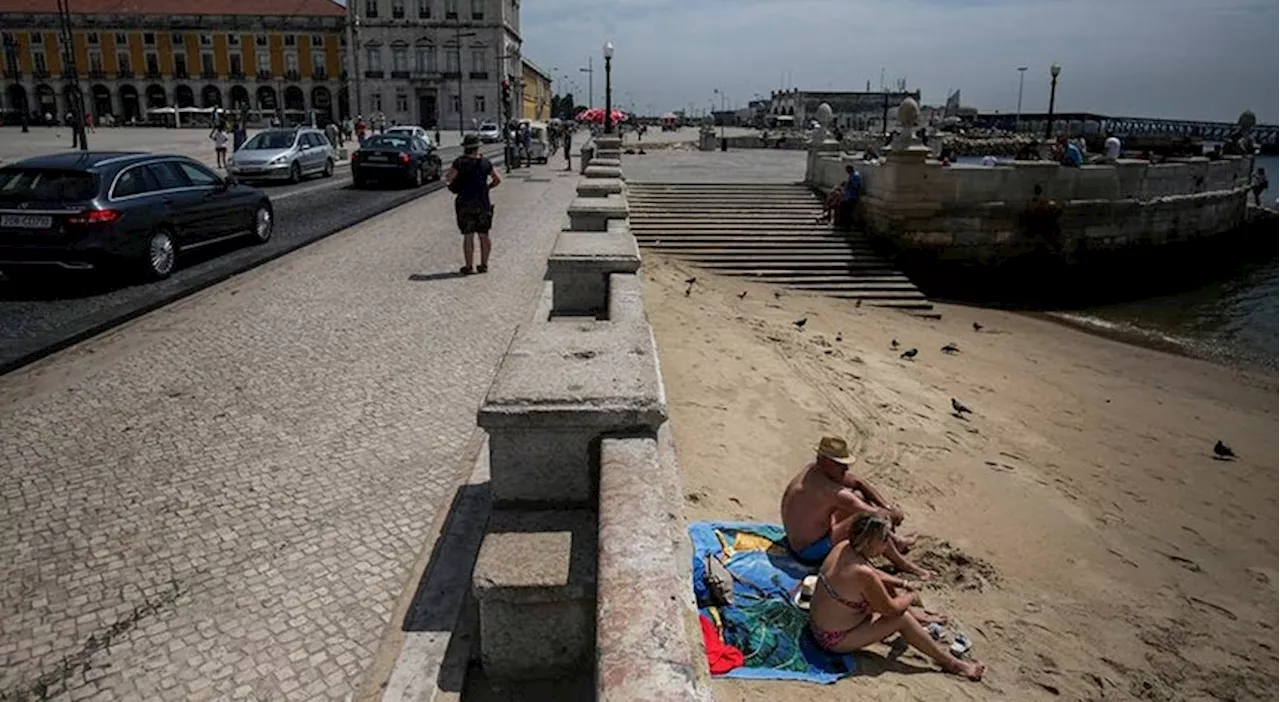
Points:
x=535, y=92
x=134, y=57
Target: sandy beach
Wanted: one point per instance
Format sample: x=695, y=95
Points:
x=1085, y=536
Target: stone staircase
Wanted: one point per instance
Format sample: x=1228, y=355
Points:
x=766, y=231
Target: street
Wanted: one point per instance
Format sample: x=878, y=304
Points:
x=225, y=498
x=41, y=316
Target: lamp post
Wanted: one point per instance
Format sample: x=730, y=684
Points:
x=1017, y=120
x=1054, y=70
x=591, y=83
x=458, y=36
x=70, y=73
x=608, y=87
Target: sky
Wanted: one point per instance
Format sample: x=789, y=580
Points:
x=1173, y=59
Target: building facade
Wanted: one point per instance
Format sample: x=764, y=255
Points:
x=435, y=63
x=145, y=54
x=536, y=91
x=850, y=110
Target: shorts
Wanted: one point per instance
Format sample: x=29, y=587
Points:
x=475, y=221
x=813, y=554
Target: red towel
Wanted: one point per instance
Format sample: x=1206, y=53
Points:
x=720, y=656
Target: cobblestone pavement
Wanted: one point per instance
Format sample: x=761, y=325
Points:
x=733, y=166
x=223, y=499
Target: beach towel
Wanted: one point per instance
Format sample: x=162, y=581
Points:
x=763, y=623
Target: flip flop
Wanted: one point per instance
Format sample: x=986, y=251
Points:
x=937, y=632
x=961, y=645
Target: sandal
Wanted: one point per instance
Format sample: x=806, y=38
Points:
x=466, y=270
x=482, y=269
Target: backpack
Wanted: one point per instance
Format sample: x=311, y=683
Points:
x=464, y=171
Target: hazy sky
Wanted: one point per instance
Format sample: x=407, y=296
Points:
x=1187, y=59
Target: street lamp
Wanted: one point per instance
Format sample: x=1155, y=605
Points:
x=458, y=36
x=1017, y=120
x=1054, y=70
x=608, y=87
x=724, y=117
x=590, y=70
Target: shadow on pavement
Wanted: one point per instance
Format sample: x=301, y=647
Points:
x=429, y=277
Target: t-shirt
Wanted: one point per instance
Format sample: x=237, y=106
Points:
x=473, y=183
x=1072, y=155
x=220, y=139
x=852, y=186
x=1112, y=147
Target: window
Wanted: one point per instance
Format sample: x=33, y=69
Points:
x=264, y=62
x=373, y=58
x=451, y=9
x=37, y=39
x=375, y=102
x=477, y=9
x=40, y=65
x=177, y=39
x=91, y=38
x=95, y=61
x=233, y=40
x=399, y=59
x=478, y=61
x=455, y=104
x=317, y=62
x=206, y=40
x=198, y=175
x=290, y=40
x=122, y=39
x=260, y=40
x=134, y=181
x=370, y=8
x=166, y=175
x=424, y=9
x=451, y=61
x=180, y=64
x=397, y=9
x=149, y=38
x=317, y=41
x=206, y=63
x=425, y=60
x=479, y=100
x=237, y=64
x=402, y=102
x=291, y=61
x=122, y=62
x=153, y=63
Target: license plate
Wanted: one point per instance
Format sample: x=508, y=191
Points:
x=377, y=157
x=26, y=221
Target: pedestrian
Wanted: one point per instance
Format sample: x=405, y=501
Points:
x=438, y=144
x=470, y=178
x=1111, y=147
x=526, y=140
x=361, y=128
x=1260, y=185
x=88, y=122
x=239, y=134
x=849, y=193
x=331, y=133
x=568, y=148
x=219, y=137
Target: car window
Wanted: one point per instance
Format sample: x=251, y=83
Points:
x=420, y=145
x=310, y=139
x=166, y=175
x=134, y=181
x=19, y=184
x=387, y=141
x=199, y=175
x=270, y=140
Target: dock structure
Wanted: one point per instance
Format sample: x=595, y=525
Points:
x=1264, y=135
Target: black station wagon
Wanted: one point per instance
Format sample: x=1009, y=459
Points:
x=96, y=210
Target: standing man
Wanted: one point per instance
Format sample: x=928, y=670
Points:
x=568, y=148
x=470, y=179
x=848, y=198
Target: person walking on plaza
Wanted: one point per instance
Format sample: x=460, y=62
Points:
x=568, y=148
x=470, y=178
x=239, y=134
x=219, y=137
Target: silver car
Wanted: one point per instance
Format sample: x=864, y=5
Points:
x=283, y=154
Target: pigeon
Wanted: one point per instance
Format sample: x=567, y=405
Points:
x=777, y=295
x=1221, y=450
x=951, y=348
x=691, y=281
x=858, y=303
x=894, y=344
x=959, y=407
x=742, y=294
x=910, y=353
x=801, y=322
x=839, y=337
x=977, y=326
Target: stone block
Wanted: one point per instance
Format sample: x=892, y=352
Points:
x=626, y=299
x=608, y=143
x=600, y=187
x=559, y=387
x=535, y=587
x=580, y=265
x=592, y=214
x=606, y=162
x=593, y=171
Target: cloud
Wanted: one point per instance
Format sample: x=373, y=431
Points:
x=1178, y=59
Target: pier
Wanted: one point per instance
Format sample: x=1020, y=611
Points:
x=1131, y=128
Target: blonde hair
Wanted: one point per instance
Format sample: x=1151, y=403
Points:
x=867, y=528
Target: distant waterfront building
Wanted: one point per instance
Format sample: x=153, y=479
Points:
x=436, y=63
x=851, y=110
x=536, y=91
x=140, y=55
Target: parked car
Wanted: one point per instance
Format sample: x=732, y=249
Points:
x=394, y=157
x=283, y=154
x=414, y=131
x=490, y=133
x=94, y=210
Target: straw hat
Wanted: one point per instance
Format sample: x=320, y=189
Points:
x=835, y=449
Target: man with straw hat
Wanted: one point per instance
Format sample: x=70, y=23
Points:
x=820, y=503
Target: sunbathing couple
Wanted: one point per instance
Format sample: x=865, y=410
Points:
x=840, y=521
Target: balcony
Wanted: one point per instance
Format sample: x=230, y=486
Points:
x=209, y=75
x=478, y=75
x=97, y=74
x=425, y=75
x=12, y=73
x=124, y=74
x=451, y=75
x=401, y=75
x=292, y=75
x=153, y=74
x=68, y=74
x=319, y=75
x=181, y=73
x=264, y=76
x=373, y=74
x=451, y=15
x=236, y=75
x=477, y=16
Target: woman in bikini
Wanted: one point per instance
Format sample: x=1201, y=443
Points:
x=856, y=605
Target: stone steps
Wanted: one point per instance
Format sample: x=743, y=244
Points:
x=768, y=232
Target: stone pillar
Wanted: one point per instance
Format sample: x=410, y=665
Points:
x=820, y=144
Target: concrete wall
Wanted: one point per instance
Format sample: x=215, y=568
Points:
x=975, y=213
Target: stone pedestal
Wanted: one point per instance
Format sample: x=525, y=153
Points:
x=580, y=265
x=592, y=214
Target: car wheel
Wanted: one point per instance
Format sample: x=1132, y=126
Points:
x=417, y=177
x=160, y=257
x=263, y=224
x=328, y=168
x=295, y=173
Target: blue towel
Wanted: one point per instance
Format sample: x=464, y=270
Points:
x=772, y=633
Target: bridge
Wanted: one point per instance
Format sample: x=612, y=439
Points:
x=1087, y=123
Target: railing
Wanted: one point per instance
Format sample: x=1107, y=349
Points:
x=373, y=74
x=292, y=75
x=211, y=75
x=124, y=74
x=479, y=75
x=400, y=74
x=181, y=73
x=12, y=73
x=236, y=75
x=264, y=76
x=319, y=75
x=425, y=75
x=451, y=75
x=153, y=74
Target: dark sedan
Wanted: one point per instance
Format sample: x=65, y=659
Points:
x=93, y=210
x=395, y=157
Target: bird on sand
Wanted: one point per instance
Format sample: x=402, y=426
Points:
x=894, y=344
x=801, y=322
x=910, y=353
x=858, y=303
x=1223, y=451
x=691, y=281
x=689, y=286
x=776, y=295
x=951, y=348
x=742, y=294
x=977, y=326
x=959, y=408
x=839, y=337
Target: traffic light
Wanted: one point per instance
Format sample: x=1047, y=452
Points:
x=506, y=96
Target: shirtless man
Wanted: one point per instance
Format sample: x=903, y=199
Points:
x=820, y=503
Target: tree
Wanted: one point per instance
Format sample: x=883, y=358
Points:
x=562, y=106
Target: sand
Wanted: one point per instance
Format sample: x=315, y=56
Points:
x=1089, y=542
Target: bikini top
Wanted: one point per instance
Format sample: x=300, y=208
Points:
x=857, y=607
